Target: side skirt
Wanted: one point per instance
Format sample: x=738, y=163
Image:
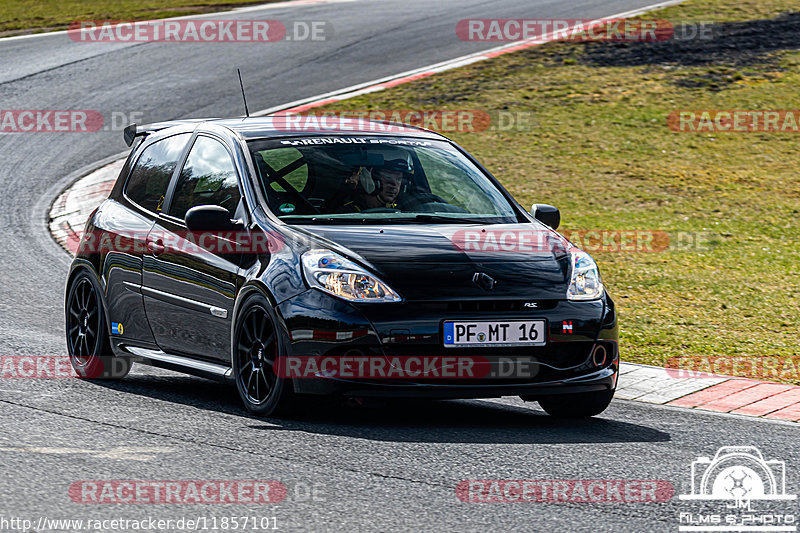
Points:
x=179, y=363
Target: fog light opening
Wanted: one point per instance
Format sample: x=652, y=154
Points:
x=599, y=355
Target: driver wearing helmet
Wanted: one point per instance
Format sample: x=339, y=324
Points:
x=388, y=181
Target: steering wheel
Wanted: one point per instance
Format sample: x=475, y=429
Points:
x=421, y=198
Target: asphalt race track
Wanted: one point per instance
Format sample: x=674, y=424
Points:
x=375, y=468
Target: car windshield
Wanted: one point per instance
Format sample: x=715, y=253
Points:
x=348, y=180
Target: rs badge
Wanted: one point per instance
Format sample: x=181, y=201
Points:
x=116, y=328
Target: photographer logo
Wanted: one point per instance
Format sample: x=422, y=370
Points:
x=738, y=476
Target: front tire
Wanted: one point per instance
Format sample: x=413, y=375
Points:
x=580, y=405
x=87, y=335
x=255, y=355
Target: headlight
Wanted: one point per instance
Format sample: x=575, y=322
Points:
x=585, y=283
x=341, y=277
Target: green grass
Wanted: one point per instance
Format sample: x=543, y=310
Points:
x=31, y=16
x=601, y=151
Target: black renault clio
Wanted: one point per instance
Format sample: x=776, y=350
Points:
x=365, y=259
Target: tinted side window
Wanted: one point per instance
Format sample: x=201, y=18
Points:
x=148, y=182
x=208, y=178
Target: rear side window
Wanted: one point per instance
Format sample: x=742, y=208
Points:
x=207, y=178
x=148, y=182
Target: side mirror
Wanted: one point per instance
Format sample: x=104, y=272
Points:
x=209, y=218
x=547, y=214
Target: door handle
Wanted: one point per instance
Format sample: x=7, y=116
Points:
x=155, y=247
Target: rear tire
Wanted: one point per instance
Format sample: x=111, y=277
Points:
x=580, y=405
x=255, y=352
x=88, y=344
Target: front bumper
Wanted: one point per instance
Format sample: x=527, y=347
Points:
x=315, y=324
x=604, y=379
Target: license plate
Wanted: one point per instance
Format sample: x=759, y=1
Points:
x=495, y=333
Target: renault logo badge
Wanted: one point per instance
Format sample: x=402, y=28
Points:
x=484, y=281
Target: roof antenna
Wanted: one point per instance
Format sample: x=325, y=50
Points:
x=246, y=112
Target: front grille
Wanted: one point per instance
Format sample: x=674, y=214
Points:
x=488, y=306
x=558, y=354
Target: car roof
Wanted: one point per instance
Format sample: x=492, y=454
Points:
x=282, y=126
x=306, y=125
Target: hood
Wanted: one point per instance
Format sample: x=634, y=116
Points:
x=440, y=262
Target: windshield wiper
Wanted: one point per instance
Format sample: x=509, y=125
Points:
x=425, y=217
x=323, y=220
x=447, y=219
